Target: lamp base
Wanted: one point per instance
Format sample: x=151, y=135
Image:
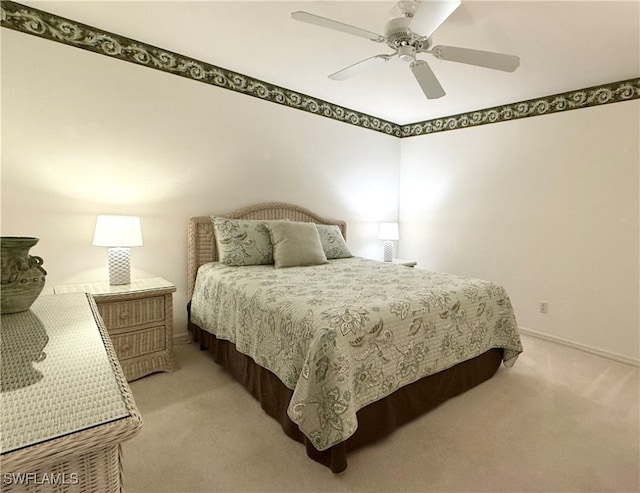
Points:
x=119, y=266
x=388, y=250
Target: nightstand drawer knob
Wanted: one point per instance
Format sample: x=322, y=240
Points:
x=124, y=315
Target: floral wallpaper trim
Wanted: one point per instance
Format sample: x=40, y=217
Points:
x=54, y=28
x=582, y=98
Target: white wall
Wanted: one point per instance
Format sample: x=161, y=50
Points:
x=83, y=134
x=547, y=206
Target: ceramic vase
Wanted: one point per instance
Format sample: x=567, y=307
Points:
x=22, y=274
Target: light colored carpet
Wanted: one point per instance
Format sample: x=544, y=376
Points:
x=560, y=420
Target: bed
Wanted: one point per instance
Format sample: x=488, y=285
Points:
x=340, y=350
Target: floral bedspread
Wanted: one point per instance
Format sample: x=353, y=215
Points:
x=347, y=333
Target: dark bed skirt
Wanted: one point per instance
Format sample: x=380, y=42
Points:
x=375, y=421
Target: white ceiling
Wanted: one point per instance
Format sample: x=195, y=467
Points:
x=563, y=45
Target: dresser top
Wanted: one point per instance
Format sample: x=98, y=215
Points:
x=103, y=288
x=58, y=378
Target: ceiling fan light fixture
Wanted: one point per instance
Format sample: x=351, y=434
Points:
x=407, y=53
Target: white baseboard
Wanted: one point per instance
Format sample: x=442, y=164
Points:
x=182, y=338
x=582, y=347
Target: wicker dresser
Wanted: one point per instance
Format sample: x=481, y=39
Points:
x=66, y=405
x=139, y=318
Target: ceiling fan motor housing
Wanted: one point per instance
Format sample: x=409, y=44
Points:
x=397, y=31
x=399, y=37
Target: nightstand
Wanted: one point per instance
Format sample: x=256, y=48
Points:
x=139, y=319
x=407, y=263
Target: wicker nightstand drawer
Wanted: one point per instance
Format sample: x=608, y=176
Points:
x=132, y=312
x=138, y=343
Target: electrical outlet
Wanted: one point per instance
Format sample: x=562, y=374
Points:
x=544, y=307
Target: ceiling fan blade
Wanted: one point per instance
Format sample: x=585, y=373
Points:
x=488, y=59
x=427, y=79
x=335, y=25
x=430, y=14
x=357, y=67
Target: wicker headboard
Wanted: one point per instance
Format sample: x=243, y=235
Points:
x=202, y=243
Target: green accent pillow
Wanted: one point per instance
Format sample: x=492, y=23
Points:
x=295, y=244
x=332, y=241
x=242, y=241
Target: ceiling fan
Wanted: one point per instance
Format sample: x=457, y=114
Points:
x=401, y=35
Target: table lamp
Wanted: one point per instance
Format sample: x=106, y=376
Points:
x=389, y=233
x=118, y=233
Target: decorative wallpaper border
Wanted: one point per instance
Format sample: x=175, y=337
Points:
x=54, y=28
x=614, y=92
